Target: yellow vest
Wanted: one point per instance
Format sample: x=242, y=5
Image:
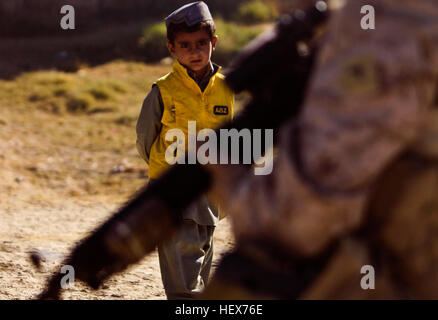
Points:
x=184, y=101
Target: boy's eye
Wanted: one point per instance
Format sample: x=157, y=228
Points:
x=184, y=45
x=203, y=42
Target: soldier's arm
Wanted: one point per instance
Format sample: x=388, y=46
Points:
x=149, y=122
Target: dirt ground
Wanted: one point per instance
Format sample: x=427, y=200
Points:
x=53, y=229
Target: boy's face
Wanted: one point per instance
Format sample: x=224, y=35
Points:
x=193, y=50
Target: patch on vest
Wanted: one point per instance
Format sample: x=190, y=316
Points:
x=220, y=110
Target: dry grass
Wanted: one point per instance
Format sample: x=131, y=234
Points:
x=73, y=135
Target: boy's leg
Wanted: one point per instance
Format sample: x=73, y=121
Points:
x=185, y=260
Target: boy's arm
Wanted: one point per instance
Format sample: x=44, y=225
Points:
x=149, y=122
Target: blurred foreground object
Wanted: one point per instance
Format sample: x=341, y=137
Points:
x=356, y=175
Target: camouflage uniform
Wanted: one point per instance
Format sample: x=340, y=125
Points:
x=361, y=155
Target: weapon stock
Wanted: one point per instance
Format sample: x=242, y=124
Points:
x=276, y=74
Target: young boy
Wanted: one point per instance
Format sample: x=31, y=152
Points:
x=193, y=91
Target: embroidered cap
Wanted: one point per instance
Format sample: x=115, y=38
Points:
x=191, y=14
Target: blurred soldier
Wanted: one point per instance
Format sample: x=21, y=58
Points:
x=362, y=155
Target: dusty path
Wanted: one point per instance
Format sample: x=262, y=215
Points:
x=53, y=229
